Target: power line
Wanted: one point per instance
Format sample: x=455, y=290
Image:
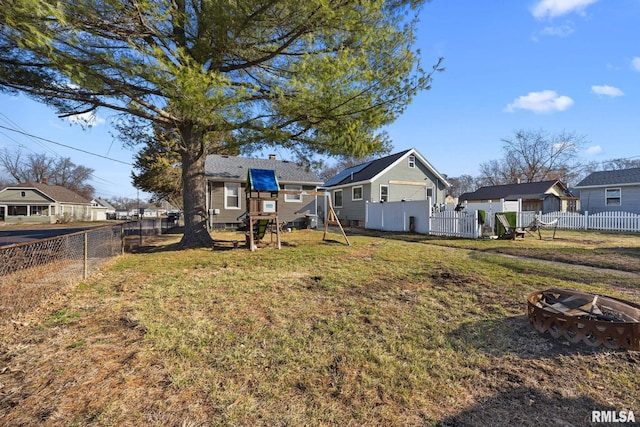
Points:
x=17, y=126
x=63, y=145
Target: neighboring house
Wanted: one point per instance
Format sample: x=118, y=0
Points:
x=102, y=209
x=226, y=201
x=543, y=196
x=616, y=190
x=38, y=202
x=402, y=176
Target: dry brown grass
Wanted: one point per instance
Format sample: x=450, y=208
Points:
x=385, y=332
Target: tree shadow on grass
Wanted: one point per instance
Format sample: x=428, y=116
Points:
x=526, y=406
x=515, y=336
x=529, y=379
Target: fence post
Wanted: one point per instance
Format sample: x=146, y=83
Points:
x=586, y=220
x=122, y=237
x=85, y=274
x=404, y=218
x=366, y=213
x=477, y=226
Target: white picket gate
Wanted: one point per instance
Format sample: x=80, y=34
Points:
x=455, y=224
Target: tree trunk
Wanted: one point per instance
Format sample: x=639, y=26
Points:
x=196, y=233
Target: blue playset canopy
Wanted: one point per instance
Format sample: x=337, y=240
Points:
x=262, y=180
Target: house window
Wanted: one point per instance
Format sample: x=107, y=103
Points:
x=337, y=198
x=412, y=161
x=232, y=196
x=39, y=210
x=430, y=192
x=356, y=193
x=612, y=197
x=23, y=194
x=384, y=193
x=293, y=197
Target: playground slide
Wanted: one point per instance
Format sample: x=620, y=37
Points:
x=262, y=228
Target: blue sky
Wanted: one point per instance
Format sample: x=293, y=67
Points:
x=555, y=65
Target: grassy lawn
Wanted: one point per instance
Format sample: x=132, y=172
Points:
x=393, y=330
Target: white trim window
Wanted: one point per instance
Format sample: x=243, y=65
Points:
x=384, y=193
x=232, y=195
x=293, y=197
x=356, y=193
x=613, y=197
x=412, y=161
x=337, y=198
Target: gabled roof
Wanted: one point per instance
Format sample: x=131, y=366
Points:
x=56, y=193
x=222, y=168
x=614, y=177
x=529, y=190
x=368, y=171
x=102, y=202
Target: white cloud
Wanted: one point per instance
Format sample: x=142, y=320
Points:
x=558, y=31
x=546, y=101
x=606, y=91
x=635, y=63
x=86, y=119
x=596, y=149
x=554, y=8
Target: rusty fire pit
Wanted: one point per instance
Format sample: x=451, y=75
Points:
x=593, y=319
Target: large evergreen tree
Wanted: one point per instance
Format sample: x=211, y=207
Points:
x=313, y=76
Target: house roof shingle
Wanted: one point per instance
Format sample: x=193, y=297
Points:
x=530, y=190
x=105, y=204
x=54, y=192
x=219, y=167
x=369, y=170
x=615, y=177
x=364, y=171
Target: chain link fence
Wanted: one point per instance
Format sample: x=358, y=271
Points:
x=30, y=273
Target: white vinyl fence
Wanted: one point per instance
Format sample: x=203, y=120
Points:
x=399, y=216
x=455, y=224
x=416, y=216
x=604, y=221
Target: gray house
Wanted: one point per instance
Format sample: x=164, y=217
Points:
x=39, y=202
x=402, y=176
x=226, y=178
x=615, y=190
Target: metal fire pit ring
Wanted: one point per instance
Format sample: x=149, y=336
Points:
x=617, y=327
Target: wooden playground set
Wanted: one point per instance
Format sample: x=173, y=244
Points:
x=262, y=191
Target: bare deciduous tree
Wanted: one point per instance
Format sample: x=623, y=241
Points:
x=534, y=155
x=38, y=167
